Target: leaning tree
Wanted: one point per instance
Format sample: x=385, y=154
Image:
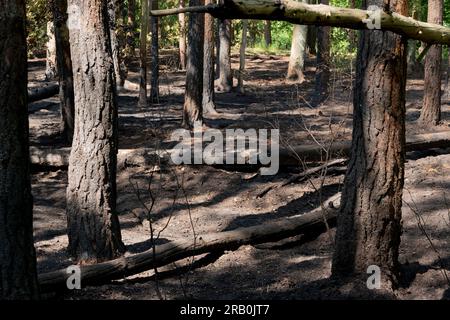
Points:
x=93, y=226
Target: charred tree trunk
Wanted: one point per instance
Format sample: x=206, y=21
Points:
x=369, y=221
x=154, y=83
x=64, y=62
x=322, y=63
x=208, y=64
x=225, y=82
x=143, y=55
x=242, y=56
x=182, y=39
x=18, y=277
x=93, y=226
x=431, y=110
x=298, y=51
x=268, y=33
x=51, y=71
x=193, y=97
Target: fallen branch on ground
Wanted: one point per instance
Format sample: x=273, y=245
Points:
x=308, y=223
x=41, y=93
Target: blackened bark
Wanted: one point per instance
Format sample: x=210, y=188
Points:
x=154, y=66
x=192, y=110
x=18, y=277
x=208, y=64
x=143, y=55
x=369, y=221
x=93, y=225
x=225, y=82
x=268, y=33
x=322, y=63
x=182, y=38
x=431, y=110
x=65, y=74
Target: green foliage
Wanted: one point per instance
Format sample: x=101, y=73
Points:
x=37, y=17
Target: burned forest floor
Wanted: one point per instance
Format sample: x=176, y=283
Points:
x=199, y=199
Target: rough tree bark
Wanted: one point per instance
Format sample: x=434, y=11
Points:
x=242, y=56
x=225, y=81
x=369, y=221
x=118, y=72
x=93, y=226
x=322, y=63
x=298, y=51
x=193, y=100
x=268, y=33
x=143, y=55
x=51, y=71
x=182, y=38
x=18, y=277
x=431, y=110
x=65, y=74
x=208, y=65
x=154, y=66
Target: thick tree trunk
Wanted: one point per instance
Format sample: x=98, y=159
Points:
x=298, y=51
x=193, y=97
x=182, y=38
x=143, y=55
x=65, y=74
x=369, y=221
x=154, y=66
x=323, y=63
x=18, y=277
x=268, y=33
x=51, y=69
x=242, y=56
x=431, y=110
x=93, y=225
x=225, y=81
x=208, y=64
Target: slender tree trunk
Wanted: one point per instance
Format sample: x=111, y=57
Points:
x=217, y=40
x=268, y=33
x=119, y=79
x=225, y=82
x=154, y=88
x=322, y=63
x=18, y=277
x=51, y=71
x=369, y=222
x=208, y=62
x=431, y=110
x=64, y=62
x=311, y=40
x=93, y=225
x=242, y=56
x=143, y=55
x=298, y=52
x=130, y=44
x=182, y=38
x=193, y=98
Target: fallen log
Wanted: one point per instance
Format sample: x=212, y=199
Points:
x=41, y=93
x=292, y=156
x=308, y=223
x=320, y=15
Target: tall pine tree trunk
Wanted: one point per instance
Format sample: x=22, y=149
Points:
x=208, y=65
x=225, y=82
x=118, y=72
x=322, y=63
x=242, y=56
x=268, y=33
x=64, y=62
x=51, y=71
x=130, y=44
x=154, y=82
x=369, y=221
x=143, y=55
x=18, y=277
x=298, y=51
x=431, y=110
x=182, y=37
x=93, y=225
x=192, y=110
